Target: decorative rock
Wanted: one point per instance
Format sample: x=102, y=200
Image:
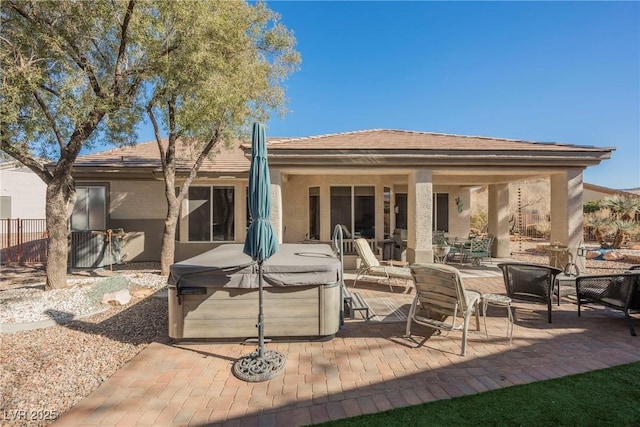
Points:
x=141, y=293
x=613, y=256
x=634, y=259
x=593, y=254
x=121, y=297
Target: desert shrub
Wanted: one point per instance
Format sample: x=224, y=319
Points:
x=612, y=229
x=479, y=221
x=592, y=206
x=542, y=229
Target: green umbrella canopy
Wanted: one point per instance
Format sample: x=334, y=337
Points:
x=261, y=241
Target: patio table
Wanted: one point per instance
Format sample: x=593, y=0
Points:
x=565, y=284
x=498, y=300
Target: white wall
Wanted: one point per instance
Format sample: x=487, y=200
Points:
x=26, y=189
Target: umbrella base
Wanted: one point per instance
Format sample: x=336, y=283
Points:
x=252, y=368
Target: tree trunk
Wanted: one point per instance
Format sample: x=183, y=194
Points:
x=167, y=253
x=599, y=237
x=618, y=239
x=60, y=196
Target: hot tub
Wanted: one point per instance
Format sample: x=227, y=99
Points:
x=215, y=294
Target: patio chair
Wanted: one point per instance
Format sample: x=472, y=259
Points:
x=458, y=245
x=616, y=291
x=478, y=248
x=530, y=282
x=440, y=294
x=438, y=238
x=370, y=266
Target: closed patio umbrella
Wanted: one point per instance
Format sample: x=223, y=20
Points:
x=260, y=244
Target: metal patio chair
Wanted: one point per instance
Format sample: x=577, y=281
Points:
x=530, y=282
x=370, y=266
x=440, y=294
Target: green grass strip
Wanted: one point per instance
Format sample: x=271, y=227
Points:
x=606, y=397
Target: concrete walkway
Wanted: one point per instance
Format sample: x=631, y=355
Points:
x=368, y=367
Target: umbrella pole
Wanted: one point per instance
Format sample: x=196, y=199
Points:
x=260, y=365
x=260, y=314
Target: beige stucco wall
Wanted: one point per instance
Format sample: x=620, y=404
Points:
x=137, y=200
x=139, y=207
x=295, y=210
x=459, y=222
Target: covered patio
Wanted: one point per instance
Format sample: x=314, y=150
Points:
x=368, y=367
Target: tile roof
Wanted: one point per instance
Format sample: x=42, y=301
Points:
x=147, y=155
x=390, y=139
x=235, y=157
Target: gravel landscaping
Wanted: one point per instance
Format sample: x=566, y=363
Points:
x=44, y=372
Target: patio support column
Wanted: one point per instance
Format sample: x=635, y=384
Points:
x=276, y=203
x=419, y=217
x=567, y=213
x=499, y=219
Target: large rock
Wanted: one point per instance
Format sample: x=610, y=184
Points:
x=121, y=297
x=593, y=254
x=613, y=256
x=634, y=259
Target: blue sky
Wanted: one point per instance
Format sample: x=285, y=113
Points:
x=541, y=71
x=566, y=72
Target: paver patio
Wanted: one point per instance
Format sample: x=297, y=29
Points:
x=368, y=367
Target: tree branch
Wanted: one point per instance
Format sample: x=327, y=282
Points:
x=50, y=119
x=211, y=143
x=50, y=90
x=123, y=47
x=80, y=135
x=77, y=57
x=156, y=131
x=37, y=167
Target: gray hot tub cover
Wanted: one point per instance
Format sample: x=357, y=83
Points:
x=228, y=267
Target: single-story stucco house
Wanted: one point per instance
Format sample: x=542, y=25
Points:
x=371, y=181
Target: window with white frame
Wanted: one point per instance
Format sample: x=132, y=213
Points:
x=90, y=209
x=211, y=214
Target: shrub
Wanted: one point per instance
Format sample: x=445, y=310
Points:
x=479, y=221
